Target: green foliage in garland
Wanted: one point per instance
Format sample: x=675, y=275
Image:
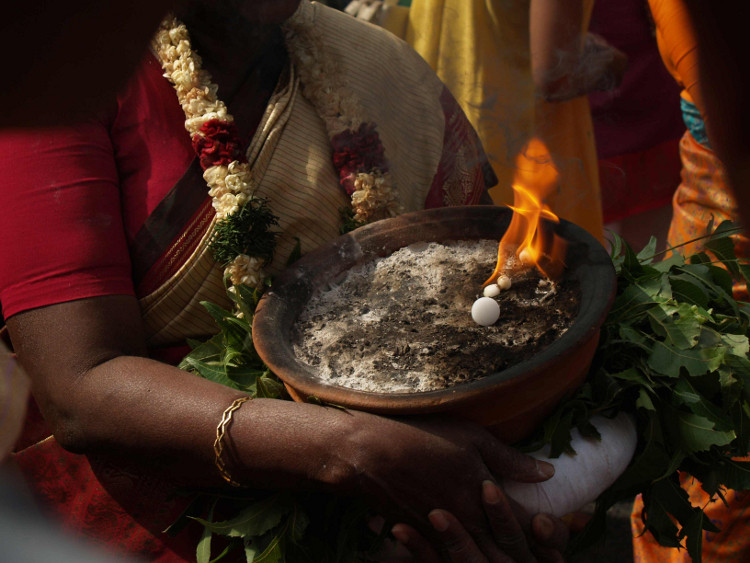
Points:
x=348, y=222
x=245, y=232
x=674, y=351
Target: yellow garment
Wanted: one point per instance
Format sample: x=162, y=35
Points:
x=480, y=49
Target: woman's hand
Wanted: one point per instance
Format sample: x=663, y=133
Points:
x=437, y=475
x=550, y=536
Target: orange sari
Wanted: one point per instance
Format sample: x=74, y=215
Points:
x=702, y=196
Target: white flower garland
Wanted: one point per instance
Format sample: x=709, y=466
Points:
x=323, y=84
x=232, y=186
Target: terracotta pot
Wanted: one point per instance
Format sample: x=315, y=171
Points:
x=511, y=403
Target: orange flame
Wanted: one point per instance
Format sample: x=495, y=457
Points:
x=530, y=239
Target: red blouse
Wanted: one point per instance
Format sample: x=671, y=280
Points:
x=74, y=200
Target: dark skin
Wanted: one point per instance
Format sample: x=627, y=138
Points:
x=103, y=395
x=562, y=68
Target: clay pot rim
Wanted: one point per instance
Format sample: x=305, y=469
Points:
x=596, y=276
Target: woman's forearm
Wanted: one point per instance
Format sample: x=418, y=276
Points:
x=555, y=42
x=102, y=396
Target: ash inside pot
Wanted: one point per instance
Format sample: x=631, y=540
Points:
x=403, y=323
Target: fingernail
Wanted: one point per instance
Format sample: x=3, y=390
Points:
x=490, y=492
x=400, y=533
x=545, y=527
x=545, y=469
x=438, y=520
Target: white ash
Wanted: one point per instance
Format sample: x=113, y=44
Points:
x=403, y=323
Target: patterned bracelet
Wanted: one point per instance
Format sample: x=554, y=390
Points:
x=221, y=431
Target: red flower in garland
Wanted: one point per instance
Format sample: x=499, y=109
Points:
x=219, y=145
x=357, y=151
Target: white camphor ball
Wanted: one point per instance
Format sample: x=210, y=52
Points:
x=492, y=290
x=485, y=311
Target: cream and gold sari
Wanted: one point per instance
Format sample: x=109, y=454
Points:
x=433, y=155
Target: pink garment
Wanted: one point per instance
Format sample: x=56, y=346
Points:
x=637, y=125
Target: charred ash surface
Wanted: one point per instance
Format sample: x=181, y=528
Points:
x=408, y=329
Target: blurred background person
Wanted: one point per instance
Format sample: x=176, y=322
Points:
x=521, y=70
x=637, y=127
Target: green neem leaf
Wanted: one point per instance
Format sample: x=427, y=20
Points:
x=210, y=350
x=615, y=245
x=668, y=360
x=676, y=501
x=235, y=331
x=693, y=531
x=631, y=266
x=653, y=283
x=694, y=433
x=245, y=299
x=723, y=279
x=220, y=315
x=675, y=259
x=267, y=387
x=297, y=523
x=741, y=375
x=687, y=289
x=658, y=521
x=722, y=246
x=255, y=520
x=273, y=551
x=203, y=551
x=678, y=325
x=687, y=394
x=633, y=375
x=737, y=344
x=244, y=376
x=644, y=401
x=630, y=303
x=716, y=473
x=558, y=435
x=734, y=474
x=741, y=417
x=213, y=371
x=588, y=430
x=632, y=336
x=646, y=255
x=648, y=464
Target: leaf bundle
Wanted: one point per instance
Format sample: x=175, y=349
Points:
x=673, y=350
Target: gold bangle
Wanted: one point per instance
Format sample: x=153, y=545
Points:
x=221, y=431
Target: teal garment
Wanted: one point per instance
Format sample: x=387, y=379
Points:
x=406, y=3
x=694, y=122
